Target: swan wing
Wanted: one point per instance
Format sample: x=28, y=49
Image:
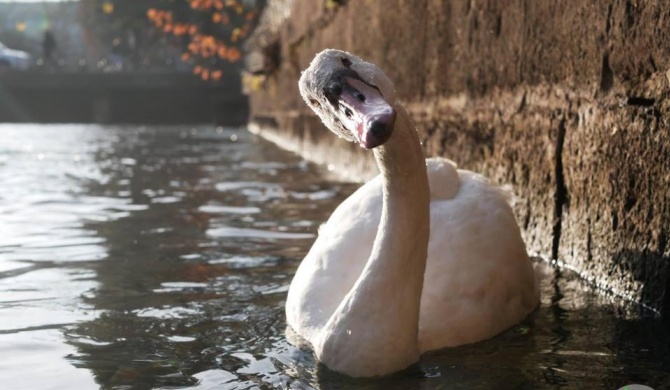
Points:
x=479, y=280
x=335, y=261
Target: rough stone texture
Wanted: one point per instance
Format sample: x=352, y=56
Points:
x=565, y=101
x=616, y=212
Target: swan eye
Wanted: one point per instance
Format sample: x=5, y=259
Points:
x=348, y=112
x=346, y=62
x=332, y=92
x=314, y=103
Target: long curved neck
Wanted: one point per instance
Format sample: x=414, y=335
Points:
x=400, y=249
x=374, y=331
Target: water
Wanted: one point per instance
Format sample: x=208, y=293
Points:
x=137, y=258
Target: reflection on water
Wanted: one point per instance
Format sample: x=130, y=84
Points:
x=161, y=257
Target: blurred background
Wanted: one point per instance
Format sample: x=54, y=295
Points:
x=101, y=58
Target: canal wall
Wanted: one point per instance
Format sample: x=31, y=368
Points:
x=567, y=102
x=122, y=97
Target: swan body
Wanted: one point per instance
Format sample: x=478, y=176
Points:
x=424, y=256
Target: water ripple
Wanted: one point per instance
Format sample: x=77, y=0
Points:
x=232, y=232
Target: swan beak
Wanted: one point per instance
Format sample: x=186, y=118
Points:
x=367, y=112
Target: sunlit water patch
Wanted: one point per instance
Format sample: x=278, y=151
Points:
x=161, y=257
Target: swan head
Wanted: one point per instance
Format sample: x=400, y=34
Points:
x=353, y=98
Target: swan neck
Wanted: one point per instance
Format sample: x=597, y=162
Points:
x=401, y=158
x=387, y=295
x=402, y=235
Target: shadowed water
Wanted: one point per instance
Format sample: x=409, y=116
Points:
x=138, y=258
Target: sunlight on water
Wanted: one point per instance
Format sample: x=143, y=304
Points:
x=144, y=257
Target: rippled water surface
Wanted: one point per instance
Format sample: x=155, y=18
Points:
x=137, y=258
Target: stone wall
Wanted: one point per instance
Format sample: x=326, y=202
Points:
x=566, y=101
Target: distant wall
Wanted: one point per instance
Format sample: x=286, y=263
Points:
x=120, y=98
x=567, y=101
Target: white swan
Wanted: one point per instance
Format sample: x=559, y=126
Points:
x=402, y=267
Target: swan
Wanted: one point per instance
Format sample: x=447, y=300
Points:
x=424, y=256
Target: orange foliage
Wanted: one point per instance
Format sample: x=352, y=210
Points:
x=180, y=29
x=216, y=4
x=202, y=45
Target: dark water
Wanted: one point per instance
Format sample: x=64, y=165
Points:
x=137, y=258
